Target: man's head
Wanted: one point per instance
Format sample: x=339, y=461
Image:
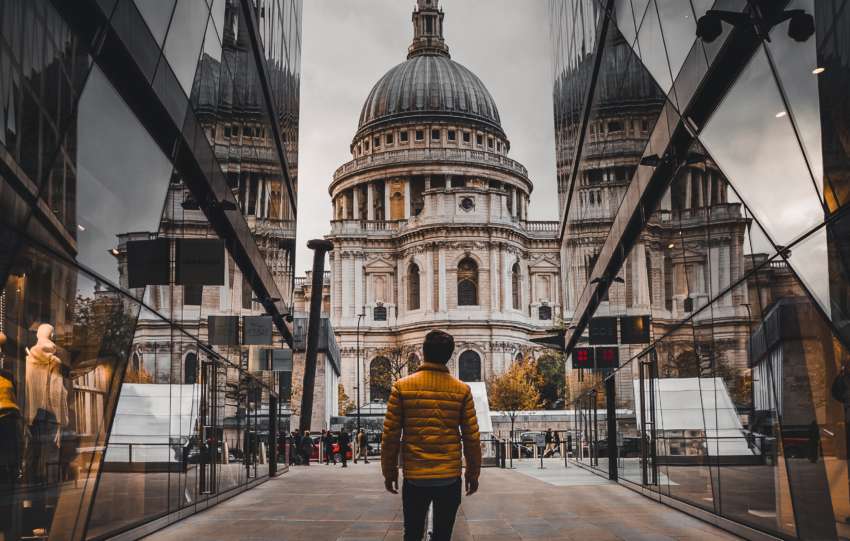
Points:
x=438, y=347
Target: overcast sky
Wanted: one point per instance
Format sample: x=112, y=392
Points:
x=349, y=44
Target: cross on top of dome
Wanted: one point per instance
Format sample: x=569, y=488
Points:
x=428, y=30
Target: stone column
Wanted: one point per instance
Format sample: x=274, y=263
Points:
x=359, y=294
x=407, y=199
x=642, y=291
x=335, y=275
x=355, y=202
x=428, y=182
x=401, y=296
x=507, y=291
x=428, y=301
x=347, y=286
x=387, y=187
x=441, y=291
x=370, y=201
x=494, y=278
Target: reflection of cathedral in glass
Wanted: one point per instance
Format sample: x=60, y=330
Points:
x=103, y=150
x=701, y=187
x=667, y=275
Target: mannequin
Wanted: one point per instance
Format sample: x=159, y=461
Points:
x=46, y=411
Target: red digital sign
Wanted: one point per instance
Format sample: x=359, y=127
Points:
x=583, y=358
x=607, y=357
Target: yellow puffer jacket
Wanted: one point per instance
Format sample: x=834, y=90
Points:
x=428, y=414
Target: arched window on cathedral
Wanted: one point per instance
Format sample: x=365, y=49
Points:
x=515, y=286
x=413, y=287
x=467, y=282
x=380, y=379
x=469, y=366
x=190, y=369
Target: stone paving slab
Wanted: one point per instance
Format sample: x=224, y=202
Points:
x=327, y=503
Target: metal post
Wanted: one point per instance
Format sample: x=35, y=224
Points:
x=320, y=248
x=611, y=417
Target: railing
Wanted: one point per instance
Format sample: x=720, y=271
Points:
x=431, y=154
x=301, y=281
x=245, y=151
x=358, y=226
x=542, y=226
x=361, y=226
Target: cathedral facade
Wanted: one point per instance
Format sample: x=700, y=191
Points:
x=431, y=226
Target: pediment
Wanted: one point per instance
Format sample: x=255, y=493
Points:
x=380, y=264
x=544, y=264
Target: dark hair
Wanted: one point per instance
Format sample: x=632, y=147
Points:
x=438, y=347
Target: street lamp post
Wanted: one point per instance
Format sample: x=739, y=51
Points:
x=357, y=388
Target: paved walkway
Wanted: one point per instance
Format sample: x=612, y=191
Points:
x=330, y=503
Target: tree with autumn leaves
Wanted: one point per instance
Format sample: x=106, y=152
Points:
x=517, y=389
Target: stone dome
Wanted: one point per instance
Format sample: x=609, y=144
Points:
x=429, y=86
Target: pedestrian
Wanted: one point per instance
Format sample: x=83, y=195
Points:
x=557, y=441
x=434, y=413
x=550, y=444
x=343, y=441
x=361, y=447
x=306, y=448
x=328, y=442
x=295, y=452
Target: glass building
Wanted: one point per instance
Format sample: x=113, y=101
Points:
x=702, y=159
x=148, y=177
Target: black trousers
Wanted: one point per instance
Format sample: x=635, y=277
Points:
x=416, y=500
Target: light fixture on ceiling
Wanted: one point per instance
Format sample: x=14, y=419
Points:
x=818, y=70
x=671, y=246
x=81, y=227
x=781, y=114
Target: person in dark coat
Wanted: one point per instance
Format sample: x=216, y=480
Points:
x=306, y=448
x=344, y=442
x=328, y=444
x=295, y=451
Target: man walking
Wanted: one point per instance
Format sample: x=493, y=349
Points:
x=328, y=442
x=361, y=447
x=343, y=442
x=433, y=412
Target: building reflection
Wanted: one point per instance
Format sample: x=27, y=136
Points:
x=103, y=151
x=734, y=402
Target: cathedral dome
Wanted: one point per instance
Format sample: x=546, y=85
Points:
x=429, y=86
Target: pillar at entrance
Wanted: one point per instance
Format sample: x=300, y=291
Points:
x=441, y=291
x=407, y=199
x=370, y=202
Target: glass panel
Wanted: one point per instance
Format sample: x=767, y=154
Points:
x=794, y=63
x=123, y=179
x=184, y=41
x=157, y=15
x=42, y=68
x=763, y=161
x=134, y=486
x=67, y=337
x=832, y=21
